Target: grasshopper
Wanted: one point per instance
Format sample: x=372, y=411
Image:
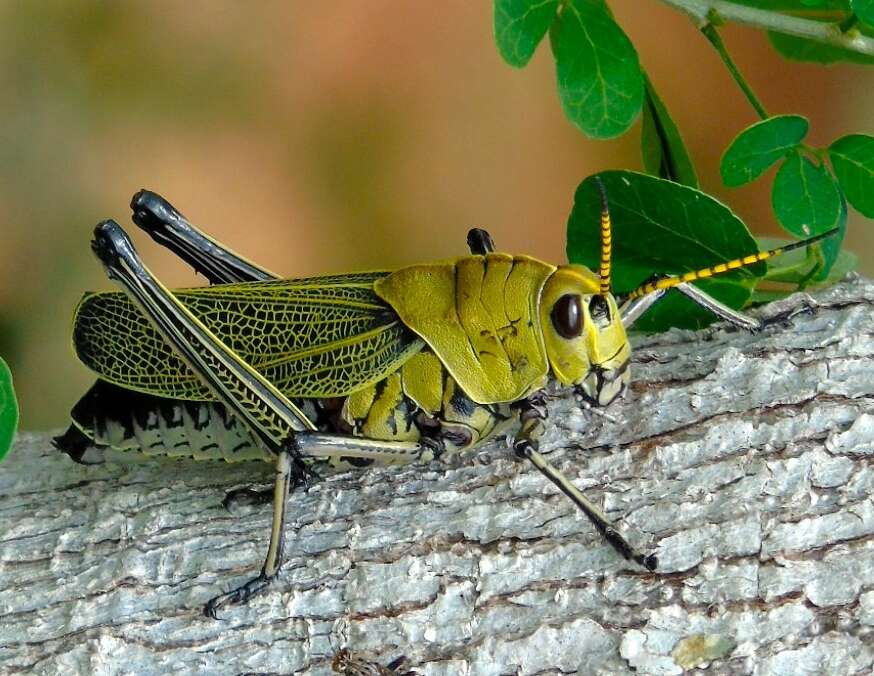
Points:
x=341, y=371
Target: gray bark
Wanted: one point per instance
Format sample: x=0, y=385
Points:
x=743, y=461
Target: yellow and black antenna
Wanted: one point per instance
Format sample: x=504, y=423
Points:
x=606, y=238
x=670, y=282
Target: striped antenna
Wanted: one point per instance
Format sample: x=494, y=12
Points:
x=670, y=282
x=606, y=238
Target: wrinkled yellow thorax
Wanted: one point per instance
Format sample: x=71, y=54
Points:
x=488, y=320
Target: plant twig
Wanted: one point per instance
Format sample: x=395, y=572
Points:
x=703, y=11
x=715, y=39
x=849, y=23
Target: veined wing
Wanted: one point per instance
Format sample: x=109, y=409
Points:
x=479, y=314
x=316, y=337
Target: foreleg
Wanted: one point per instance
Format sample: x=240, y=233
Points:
x=632, y=310
x=533, y=413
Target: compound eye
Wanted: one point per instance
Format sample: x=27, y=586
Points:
x=567, y=317
x=599, y=310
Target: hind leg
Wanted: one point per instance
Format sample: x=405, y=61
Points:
x=169, y=228
x=270, y=416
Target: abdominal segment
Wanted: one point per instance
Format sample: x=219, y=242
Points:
x=422, y=400
x=111, y=416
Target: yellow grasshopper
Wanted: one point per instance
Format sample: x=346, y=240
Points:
x=345, y=370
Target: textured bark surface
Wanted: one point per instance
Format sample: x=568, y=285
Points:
x=744, y=461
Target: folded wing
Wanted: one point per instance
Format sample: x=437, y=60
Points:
x=317, y=337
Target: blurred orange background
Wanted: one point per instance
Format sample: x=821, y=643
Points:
x=319, y=137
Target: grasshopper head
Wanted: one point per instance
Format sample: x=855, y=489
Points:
x=585, y=340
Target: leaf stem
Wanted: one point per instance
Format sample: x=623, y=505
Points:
x=703, y=12
x=715, y=39
x=849, y=23
x=819, y=262
x=816, y=153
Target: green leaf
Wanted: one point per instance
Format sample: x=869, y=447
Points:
x=761, y=296
x=795, y=267
x=520, y=26
x=8, y=410
x=661, y=227
x=599, y=80
x=805, y=197
x=801, y=49
x=757, y=147
x=845, y=263
x=864, y=10
x=853, y=161
x=831, y=248
x=676, y=310
x=662, y=147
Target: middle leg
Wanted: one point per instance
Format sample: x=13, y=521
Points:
x=533, y=413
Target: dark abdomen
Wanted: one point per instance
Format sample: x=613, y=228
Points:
x=112, y=416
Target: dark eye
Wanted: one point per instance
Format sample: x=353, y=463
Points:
x=567, y=317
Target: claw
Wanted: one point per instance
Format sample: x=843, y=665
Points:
x=650, y=562
x=246, y=496
x=240, y=595
x=301, y=473
x=807, y=307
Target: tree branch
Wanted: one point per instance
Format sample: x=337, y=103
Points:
x=744, y=461
x=709, y=11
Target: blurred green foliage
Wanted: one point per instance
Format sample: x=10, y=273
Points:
x=70, y=71
x=8, y=410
